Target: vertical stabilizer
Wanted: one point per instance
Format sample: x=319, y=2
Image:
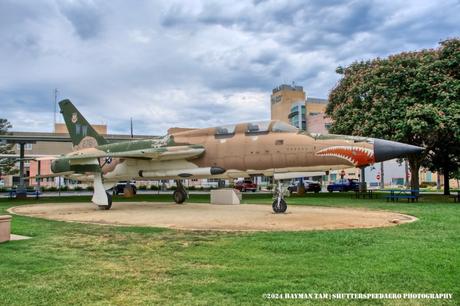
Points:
x=83, y=135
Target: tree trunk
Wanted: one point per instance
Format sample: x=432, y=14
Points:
x=414, y=165
x=446, y=181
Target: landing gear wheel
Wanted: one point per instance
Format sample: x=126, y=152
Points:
x=279, y=206
x=179, y=196
x=109, y=200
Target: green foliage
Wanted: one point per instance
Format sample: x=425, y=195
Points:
x=411, y=97
x=6, y=164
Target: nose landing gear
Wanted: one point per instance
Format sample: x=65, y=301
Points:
x=180, y=194
x=279, y=204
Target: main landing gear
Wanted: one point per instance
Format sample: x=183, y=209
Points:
x=109, y=201
x=279, y=204
x=101, y=197
x=180, y=194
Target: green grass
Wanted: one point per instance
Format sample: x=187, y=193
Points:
x=71, y=263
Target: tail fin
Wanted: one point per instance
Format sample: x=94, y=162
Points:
x=83, y=135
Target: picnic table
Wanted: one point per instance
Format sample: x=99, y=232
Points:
x=396, y=194
x=369, y=193
x=35, y=193
x=456, y=197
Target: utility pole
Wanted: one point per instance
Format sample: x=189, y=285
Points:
x=132, y=135
x=55, y=106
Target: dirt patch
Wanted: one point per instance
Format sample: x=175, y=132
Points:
x=216, y=217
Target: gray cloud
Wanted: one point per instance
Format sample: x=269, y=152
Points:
x=194, y=63
x=85, y=18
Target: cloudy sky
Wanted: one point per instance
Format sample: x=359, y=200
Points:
x=193, y=63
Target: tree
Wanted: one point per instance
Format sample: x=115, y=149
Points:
x=411, y=97
x=444, y=74
x=6, y=164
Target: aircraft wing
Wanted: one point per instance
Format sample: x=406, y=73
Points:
x=160, y=153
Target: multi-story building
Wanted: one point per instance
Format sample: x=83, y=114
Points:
x=289, y=103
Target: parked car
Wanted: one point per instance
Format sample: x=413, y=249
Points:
x=312, y=186
x=120, y=186
x=343, y=185
x=246, y=185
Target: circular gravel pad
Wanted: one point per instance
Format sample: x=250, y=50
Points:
x=216, y=217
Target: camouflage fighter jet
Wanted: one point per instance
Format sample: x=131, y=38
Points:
x=269, y=148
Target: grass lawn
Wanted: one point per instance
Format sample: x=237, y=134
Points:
x=70, y=263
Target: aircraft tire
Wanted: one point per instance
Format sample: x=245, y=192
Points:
x=179, y=197
x=109, y=200
x=279, y=208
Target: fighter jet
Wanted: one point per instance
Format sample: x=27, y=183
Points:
x=269, y=148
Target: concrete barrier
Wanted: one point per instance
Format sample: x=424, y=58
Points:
x=225, y=196
x=5, y=228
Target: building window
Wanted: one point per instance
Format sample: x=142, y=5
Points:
x=297, y=116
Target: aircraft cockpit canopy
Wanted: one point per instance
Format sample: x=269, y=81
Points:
x=225, y=130
x=257, y=127
x=283, y=127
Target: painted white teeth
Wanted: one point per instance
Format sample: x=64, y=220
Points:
x=353, y=157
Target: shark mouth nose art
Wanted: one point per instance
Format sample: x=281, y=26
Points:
x=358, y=156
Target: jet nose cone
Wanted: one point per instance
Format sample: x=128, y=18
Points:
x=386, y=149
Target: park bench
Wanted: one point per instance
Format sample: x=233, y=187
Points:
x=396, y=194
x=35, y=193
